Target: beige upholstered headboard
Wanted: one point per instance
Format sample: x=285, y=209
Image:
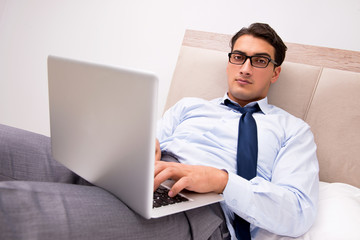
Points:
x=313, y=82
x=297, y=53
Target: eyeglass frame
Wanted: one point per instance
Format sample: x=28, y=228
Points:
x=250, y=57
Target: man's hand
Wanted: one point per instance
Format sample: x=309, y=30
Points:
x=157, y=151
x=200, y=179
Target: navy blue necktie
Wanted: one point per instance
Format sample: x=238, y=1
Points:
x=247, y=151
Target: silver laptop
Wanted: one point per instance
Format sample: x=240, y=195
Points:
x=102, y=122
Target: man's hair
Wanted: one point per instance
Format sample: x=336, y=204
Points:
x=265, y=32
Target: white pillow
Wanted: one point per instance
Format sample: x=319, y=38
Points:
x=338, y=215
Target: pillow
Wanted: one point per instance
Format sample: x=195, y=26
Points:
x=338, y=215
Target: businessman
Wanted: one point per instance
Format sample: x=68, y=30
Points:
x=281, y=195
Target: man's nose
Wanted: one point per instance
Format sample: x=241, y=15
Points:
x=246, y=68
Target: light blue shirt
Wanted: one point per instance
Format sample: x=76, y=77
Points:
x=282, y=198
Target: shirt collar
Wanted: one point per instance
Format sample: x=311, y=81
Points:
x=263, y=103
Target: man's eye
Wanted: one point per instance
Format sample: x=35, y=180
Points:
x=238, y=57
x=260, y=60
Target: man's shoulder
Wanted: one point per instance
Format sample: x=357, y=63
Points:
x=194, y=104
x=195, y=101
x=285, y=115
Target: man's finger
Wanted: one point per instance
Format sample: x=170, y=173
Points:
x=164, y=171
x=178, y=186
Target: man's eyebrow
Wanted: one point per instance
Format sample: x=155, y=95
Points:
x=240, y=52
x=256, y=54
x=262, y=54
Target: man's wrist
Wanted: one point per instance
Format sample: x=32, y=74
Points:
x=223, y=180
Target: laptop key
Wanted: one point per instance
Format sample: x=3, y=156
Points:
x=161, y=198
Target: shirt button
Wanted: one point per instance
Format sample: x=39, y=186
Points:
x=234, y=202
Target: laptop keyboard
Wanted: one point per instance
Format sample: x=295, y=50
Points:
x=161, y=198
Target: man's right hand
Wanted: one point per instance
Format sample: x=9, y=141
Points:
x=200, y=179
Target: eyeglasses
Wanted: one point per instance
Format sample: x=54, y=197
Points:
x=256, y=61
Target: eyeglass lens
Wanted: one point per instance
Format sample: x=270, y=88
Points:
x=256, y=61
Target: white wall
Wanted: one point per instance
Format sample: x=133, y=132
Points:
x=116, y=32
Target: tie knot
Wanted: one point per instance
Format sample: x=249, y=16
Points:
x=251, y=109
x=243, y=110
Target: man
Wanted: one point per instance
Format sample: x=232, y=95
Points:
x=202, y=136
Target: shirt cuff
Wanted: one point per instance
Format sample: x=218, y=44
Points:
x=237, y=194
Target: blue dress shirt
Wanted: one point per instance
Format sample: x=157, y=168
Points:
x=282, y=198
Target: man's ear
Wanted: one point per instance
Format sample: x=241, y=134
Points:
x=276, y=74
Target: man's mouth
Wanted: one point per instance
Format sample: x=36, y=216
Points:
x=242, y=81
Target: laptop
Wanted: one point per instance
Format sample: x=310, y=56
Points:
x=102, y=125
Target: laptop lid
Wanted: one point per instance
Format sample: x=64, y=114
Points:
x=102, y=125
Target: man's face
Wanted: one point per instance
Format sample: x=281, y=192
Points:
x=247, y=83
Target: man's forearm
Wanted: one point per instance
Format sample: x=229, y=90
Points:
x=278, y=209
